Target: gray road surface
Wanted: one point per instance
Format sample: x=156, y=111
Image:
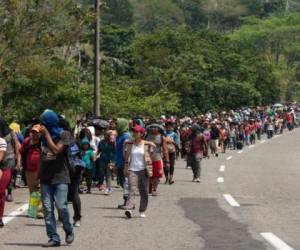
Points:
x=264, y=180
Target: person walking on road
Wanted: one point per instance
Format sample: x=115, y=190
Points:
x=214, y=139
x=55, y=177
x=172, y=146
x=12, y=157
x=88, y=157
x=197, y=149
x=123, y=136
x=223, y=138
x=138, y=165
x=156, y=136
x=31, y=159
x=5, y=175
x=106, y=150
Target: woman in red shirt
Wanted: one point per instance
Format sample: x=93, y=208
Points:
x=31, y=155
x=223, y=138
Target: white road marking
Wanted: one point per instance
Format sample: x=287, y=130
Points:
x=251, y=146
x=241, y=151
x=231, y=200
x=275, y=241
x=263, y=141
x=222, y=168
x=220, y=180
x=15, y=213
x=229, y=158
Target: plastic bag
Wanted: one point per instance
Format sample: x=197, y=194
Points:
x=34, y=204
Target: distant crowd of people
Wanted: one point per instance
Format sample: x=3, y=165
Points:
x=59, y=163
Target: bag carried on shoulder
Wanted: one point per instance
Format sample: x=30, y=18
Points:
x=73, y=158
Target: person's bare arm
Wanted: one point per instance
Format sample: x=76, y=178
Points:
x=18, y=153
x=165, y=152
x=55, y=148
x=2, y=155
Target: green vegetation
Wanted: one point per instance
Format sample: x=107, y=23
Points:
x=170, y=56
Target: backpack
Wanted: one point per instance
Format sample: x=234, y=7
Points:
x=171, y=147
x=10, y=155
x=73, y=158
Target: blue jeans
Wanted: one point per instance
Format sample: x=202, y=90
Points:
x=57, y=194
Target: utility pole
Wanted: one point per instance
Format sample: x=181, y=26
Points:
x=97, y=60
x=287, y=6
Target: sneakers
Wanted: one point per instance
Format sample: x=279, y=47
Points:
x=121, y=206
x=9, y=198
x=198, y=180
x=51, y=243
x=77, y=223
x=69, y=238
x=40, y=215
x=1, y=223
x=154, y=193
x=128, y=214
x=108, y=191
x=171, y=182
x=142, y=215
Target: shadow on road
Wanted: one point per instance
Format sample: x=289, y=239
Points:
x=17, y=216
x=117, y=217
x=23, y=244
x=217, y=229
x=106, y=208
x=34, y=225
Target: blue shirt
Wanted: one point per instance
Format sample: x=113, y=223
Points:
x=119, y=149
x=174, y=136
x=87, y=157
x=107, y=151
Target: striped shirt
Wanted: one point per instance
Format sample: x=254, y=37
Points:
x=3, y=144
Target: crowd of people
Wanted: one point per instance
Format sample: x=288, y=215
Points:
x=62, y=163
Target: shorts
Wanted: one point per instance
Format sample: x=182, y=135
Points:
x=157, y=169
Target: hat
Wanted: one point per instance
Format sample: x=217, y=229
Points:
x=15, y=127
x=36, y=128
x=138, y=129
x=85, y=141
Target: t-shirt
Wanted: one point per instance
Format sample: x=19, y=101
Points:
x=32, y=154
x=54, y=168
x=119, y=149
x=214, y=133
x=107, y=151
x=174, y=136
x=157, y=140
x=137, y=159
x=197, y=145
x=3, y=145
x=87, y=157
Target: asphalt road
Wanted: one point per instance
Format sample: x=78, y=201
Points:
x=263, y=181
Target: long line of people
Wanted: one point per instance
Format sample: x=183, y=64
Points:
x=61, y=163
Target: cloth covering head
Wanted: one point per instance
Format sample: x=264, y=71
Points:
x=122, y=126
x=51, y=121
x=15, y=127
x=85, y=141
